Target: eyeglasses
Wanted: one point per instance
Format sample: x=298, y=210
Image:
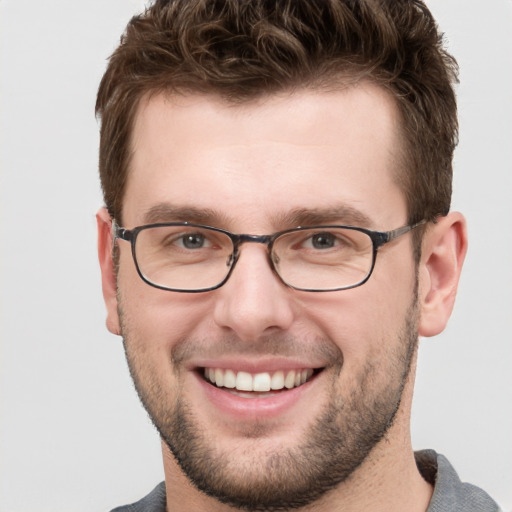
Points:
x=184, y=257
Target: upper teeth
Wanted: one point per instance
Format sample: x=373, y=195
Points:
x=244, y=381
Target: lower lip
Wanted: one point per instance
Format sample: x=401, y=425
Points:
x=257, y=407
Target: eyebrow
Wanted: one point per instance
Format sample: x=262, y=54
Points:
x=339, y=214
x=166, y=212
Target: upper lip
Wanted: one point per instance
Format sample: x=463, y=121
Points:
x=257, y=366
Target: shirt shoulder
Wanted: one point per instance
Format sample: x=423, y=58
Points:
x=450, y=494
x=155, y=501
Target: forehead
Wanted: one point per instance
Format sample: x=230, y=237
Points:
x=306, y=149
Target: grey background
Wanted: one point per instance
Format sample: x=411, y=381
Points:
x=72, y=434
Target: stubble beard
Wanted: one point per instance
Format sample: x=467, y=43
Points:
x=332, y=448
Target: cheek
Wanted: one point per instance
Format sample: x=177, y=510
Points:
x=153, y=319
x=365, y=321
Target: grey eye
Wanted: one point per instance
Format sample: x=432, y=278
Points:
x=193, y=241
x=323, y=240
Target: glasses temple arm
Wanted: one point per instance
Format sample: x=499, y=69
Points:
x=119, y=232
x=401, y=231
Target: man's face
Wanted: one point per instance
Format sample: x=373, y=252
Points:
x=326, y=158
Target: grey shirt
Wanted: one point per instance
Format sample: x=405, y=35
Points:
x=450, y=494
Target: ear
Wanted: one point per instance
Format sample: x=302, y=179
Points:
x=444, y=249
x=108, y=277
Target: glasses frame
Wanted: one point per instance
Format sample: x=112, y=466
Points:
x=378, y=238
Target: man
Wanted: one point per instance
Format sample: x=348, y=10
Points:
x=277, y=234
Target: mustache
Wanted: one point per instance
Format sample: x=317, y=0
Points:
x=318, y=349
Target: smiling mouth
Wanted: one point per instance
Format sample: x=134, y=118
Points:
x=255, y=385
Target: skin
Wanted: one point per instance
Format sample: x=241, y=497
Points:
x=247, y=168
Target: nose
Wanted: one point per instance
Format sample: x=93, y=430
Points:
x=253, y=302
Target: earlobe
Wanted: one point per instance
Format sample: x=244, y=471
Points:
x=108, y=276
x=443, y=252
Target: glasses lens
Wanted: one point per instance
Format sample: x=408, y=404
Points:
x=323, y=259
x=183, y=257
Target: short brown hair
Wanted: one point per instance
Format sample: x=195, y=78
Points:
x=242, y=49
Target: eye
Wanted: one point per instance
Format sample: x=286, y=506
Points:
x=334, y=240
x=192, y=241
x=323, y=240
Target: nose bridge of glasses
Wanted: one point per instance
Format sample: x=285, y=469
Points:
x=238, y=240
x=255, y=239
